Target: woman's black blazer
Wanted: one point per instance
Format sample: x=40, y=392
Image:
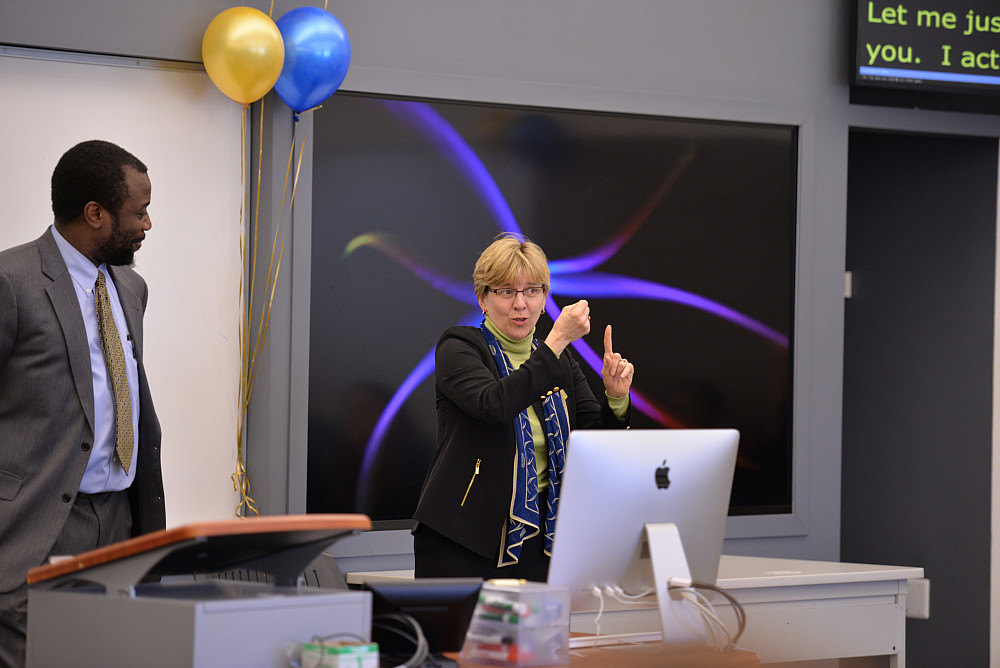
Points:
x=467, y=490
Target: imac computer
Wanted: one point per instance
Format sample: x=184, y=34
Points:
x=638, y=507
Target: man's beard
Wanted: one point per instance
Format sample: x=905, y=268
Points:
x=117, y=251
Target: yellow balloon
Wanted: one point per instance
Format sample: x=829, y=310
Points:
x=243, y=53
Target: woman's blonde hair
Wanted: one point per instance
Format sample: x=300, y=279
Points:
x=508, y=258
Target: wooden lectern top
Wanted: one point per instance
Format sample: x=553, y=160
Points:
x=207, y=546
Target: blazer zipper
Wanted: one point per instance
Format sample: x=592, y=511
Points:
x=474, y=474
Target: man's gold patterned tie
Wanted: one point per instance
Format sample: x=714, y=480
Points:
x=115, y=358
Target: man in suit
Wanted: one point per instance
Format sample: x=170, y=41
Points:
x=79, y=439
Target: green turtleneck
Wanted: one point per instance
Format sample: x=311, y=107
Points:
x=518, y=353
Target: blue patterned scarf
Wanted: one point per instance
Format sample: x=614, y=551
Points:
x=523, y=522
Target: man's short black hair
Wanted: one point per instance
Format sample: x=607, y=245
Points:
x=91, y=171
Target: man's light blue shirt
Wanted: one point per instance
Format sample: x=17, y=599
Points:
x=104, y=472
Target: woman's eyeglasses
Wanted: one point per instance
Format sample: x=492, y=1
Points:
x=532, y=292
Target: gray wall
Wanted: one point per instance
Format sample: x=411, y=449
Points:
x=195, y=126
x=693, y=59
x=170, y=30
x=774, y=61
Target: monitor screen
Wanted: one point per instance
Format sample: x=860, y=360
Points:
x=679, y=232
x=943, y=54
x=617, y=481
x=442, y=607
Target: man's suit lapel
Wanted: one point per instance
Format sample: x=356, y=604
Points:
x=67, y=308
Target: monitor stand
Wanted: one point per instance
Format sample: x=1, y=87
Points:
x=680, y=623
x=658, y=557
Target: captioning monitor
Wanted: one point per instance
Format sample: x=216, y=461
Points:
x=618, y=481
x=936, y=55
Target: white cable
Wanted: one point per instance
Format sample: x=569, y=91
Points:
x=723, y=638
x=422, y=647
x=596, y=591
x=719, y=633
x=629, y=599
x=713, y=625
x=716, y=631
x=708, y=610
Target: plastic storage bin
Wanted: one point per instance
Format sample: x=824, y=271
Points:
x=519, y=624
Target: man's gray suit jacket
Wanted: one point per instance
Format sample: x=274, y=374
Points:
x=47, y=406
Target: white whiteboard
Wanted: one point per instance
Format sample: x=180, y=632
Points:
x=188, y=135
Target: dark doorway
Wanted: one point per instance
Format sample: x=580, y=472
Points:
x=918, y=377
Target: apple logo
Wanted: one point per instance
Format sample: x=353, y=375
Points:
x=663, y=476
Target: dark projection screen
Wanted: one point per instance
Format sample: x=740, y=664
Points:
x=680, y=233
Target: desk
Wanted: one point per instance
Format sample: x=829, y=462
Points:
x=648, y=656
x=796, y=610
x=801, y=610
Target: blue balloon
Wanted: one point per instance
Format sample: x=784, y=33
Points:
x=317, y=54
